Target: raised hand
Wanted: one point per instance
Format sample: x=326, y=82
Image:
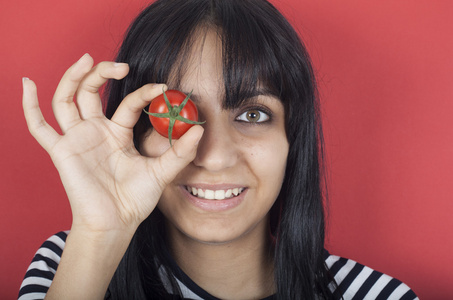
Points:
x=110, y=186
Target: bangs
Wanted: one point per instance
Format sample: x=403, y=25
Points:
x=250, y=49
x=249, y=53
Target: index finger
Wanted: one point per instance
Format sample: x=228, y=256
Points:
x=130, y=109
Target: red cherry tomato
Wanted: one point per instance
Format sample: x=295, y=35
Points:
x=172, y=117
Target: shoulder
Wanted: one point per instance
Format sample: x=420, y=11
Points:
x=357, y=281
x=42, y=269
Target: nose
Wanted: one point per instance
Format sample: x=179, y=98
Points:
x=217, y=149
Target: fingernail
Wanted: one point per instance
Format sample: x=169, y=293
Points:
x=164, y=87
x=117, y=65
x=24, y=79
x=199, y=139
x=83, y=56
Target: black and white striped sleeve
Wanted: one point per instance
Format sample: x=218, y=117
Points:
x=42, y=269
x=356, y=281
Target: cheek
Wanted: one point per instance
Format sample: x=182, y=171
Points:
x=154, y=145
x=268, y=162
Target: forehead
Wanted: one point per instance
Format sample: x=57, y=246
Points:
x=209, y=66
x=204, y=61
x=200, y=66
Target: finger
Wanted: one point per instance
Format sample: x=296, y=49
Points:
x=131, y=107
x=177, y=157
x=63, y=105
x=39, y=128
x=88, y=99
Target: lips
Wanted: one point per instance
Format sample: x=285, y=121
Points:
x=209, y=194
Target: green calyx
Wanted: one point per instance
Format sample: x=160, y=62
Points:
x=173, y=114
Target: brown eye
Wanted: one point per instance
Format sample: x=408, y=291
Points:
x=253, y=116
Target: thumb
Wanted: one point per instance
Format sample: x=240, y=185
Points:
x=176, y=158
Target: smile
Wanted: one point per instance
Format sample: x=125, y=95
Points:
x=214, y=194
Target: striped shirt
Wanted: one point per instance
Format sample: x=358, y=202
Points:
x=354, y=281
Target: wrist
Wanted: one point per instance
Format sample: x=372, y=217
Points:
x=102, y=248
x=88, y=263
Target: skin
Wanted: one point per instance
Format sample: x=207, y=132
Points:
x=112, y=187
x=213, y=247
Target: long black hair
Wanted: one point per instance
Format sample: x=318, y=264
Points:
x=259, y=46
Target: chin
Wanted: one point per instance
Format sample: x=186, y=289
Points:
x=217, y=232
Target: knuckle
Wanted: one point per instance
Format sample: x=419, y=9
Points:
x=177, y=151
x=90, y=87
x=157, y=168
x=62, y=99
x=100, y=70
x=37, y=128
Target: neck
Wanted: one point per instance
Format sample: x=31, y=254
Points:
x=239, y=269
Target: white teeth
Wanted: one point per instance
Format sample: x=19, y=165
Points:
x=209, y=194
x=215, y=194
x=219, y=195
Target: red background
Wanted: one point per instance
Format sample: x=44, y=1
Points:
x=385, y=71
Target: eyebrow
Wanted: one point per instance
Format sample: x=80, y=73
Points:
x=260, y=91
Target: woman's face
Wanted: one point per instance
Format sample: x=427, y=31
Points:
x=226, y=192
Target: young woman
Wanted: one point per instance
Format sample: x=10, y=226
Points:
x=234, y=209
